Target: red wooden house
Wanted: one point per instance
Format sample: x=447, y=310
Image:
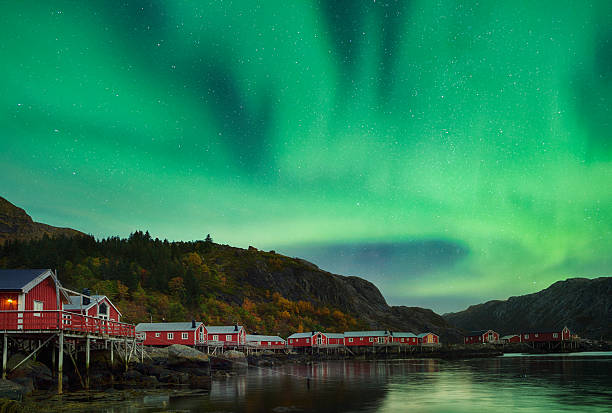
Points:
x=366, y=338
x=544, y=335
x=309, y=339
x=165, y=334
x=226, y=335
x=428, y=338
x=481, y=337
x=511, y=338
x=407, y=339
x=93, y=306
x=31, y=300
x=334, y=339
x=265, y=341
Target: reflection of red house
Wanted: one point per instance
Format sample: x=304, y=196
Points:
x=511, y=338
x=428, y=338
x=309, y=339
x=30, y=300
x=546, y=335
x=94, y=306
x=481, y=337
x=366, y=338
x=165, y=334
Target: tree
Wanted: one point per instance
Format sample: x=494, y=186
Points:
x=208, y=239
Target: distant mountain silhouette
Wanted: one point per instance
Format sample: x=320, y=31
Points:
x=583, y=305
x=16, y=224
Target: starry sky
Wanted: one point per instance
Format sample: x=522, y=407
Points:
x=449, y=151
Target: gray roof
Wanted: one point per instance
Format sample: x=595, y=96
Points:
x=182, y=326
x=256, y=337
x=366, y=333
x=401, y=335
x=303, y=335
x=424, y=334
x=509, y=336
x=75, y=302
x=16, y=280
x=334, y=335
x=222, y=329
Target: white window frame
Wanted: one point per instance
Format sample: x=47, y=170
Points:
x=157, y=335
x=38, y=306
x=526, y=335
x=555, y=335
x=228, y=337
x=215, y=337
x=185, y=336
x=536, y=335
x=170, y=336
x=350, y=339
x=371, y=339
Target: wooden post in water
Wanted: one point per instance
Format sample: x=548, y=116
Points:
x=87, y=351
x=4, y=356
x=60, y=363
x=53, y=356
x=112, y=354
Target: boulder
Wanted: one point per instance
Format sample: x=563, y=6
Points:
x=179, y=354
x=11, y=390
x=37, y=371
x=26, y=382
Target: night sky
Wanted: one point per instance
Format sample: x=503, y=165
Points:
x=449, y=151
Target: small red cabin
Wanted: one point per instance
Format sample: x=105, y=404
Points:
x=428, y=338
x=546, y=335
x=265, y=341
x=165, y=334
x=334, y=339
x=366, y=338
x=309, y=339
x=226, y=335
x=30, y=300
x=511, y=338
x=407, y=339
x=93, y=306
x=481, y=337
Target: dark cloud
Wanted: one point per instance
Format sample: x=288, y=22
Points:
x=384, y=260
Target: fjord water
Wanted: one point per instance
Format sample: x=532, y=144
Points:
x=570, y=382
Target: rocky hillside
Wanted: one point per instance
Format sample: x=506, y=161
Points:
x=15, y=224
x=583, y=305
x=175, y=281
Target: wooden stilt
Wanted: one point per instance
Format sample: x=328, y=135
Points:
x=53, y=358
x=60, y=363
x=87, y=351
x=4, y=355
x=112, y=354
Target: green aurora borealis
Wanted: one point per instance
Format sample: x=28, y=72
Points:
x=450, y=151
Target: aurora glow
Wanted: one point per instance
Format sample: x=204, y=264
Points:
x=449, y=151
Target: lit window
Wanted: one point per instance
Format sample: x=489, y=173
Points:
x=170, y=336
x=185, y=336
x=38, y=306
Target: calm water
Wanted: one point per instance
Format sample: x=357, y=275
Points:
x=575, y=382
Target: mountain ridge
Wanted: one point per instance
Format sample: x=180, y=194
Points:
x=16, y=224
x=584, y=305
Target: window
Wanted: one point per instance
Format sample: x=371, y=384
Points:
x=228, y=337
x=526, y=335
x=350, y=340
x=402, y=340
x=215, y=338
x=67, y=319
x=103, y=311
x=555, y=335
x=170, y=336
x=157, y=334
x=38, y=306
x=536, y=334
x=371, y=339
x=185, y=336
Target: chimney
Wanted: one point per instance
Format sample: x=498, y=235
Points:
x=236, y=327
x=192, y=323
x=86, y=300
